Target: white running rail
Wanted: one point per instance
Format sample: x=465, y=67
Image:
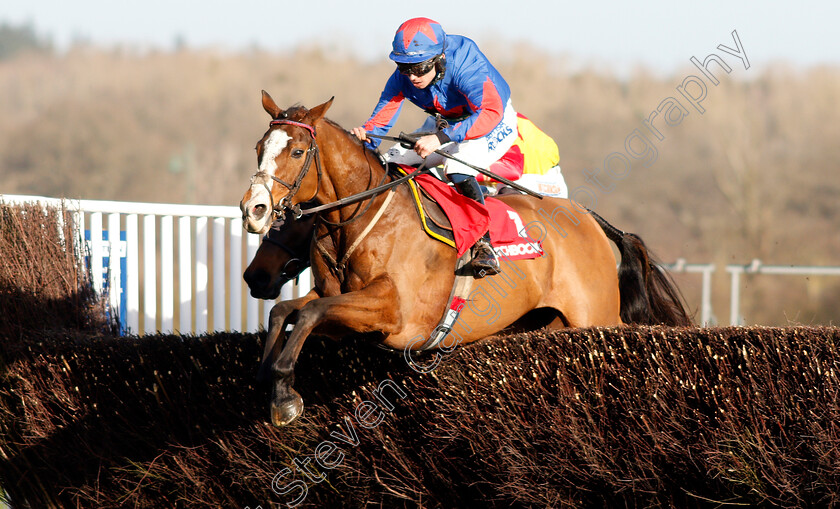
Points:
x=183, y=264
x=756, y=267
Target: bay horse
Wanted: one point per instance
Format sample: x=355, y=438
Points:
x=281, y=257
x=393, y=282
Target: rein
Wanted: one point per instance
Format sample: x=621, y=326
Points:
x=298, y=212
x=408, y=141
x=294, y=187
x=359, y=196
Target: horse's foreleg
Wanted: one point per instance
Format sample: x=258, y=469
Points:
x=370, y=309
x=279, y=318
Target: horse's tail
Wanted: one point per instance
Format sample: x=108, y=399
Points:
x=648, y=295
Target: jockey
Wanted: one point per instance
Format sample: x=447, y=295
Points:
x=532, y=162
x=465, y=96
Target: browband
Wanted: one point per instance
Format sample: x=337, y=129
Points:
x=308, y=127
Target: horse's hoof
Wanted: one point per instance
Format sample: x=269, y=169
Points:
x=287, y=411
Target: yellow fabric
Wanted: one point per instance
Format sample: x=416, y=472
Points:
x=538, y=149
x=416, y=195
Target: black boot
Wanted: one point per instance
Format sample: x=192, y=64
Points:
x=484, y=262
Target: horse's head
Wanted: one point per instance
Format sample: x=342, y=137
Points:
x=285, y=156
x=282, y=256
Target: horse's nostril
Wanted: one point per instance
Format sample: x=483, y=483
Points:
x=258, y=211
x=258, y=278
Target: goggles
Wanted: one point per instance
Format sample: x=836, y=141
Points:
x=418, y=69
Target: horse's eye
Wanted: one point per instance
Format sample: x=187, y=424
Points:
x=297, y=153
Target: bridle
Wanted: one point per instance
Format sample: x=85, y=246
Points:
x=262, y=177
x=285, y=205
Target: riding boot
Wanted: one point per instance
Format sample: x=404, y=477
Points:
x=484, y=262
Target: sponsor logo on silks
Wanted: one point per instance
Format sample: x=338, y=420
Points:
x=520, y=250
x=498, y=135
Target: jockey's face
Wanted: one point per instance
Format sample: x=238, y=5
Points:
x=424, y=80
x=420, y=74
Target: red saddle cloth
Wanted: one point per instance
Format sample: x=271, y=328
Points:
x=470, y=220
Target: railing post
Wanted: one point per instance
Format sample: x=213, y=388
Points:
x=304, y=283
x=185, y=258
x=734, y=295
x=235, y=302
x=167, y=275
x=706, y=299
x=96, y=247
x=79, y=234
x=219, y=301
x=201, y=275
x=149, y=275
x=266, y=313
x=132, y=280
x=114, y=279
x=252, y=306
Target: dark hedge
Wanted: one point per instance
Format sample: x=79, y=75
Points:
x=634, y=416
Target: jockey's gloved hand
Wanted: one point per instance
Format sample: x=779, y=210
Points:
x=409, y=139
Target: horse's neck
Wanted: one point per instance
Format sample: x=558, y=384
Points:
x=351, y=174
x=348, y=176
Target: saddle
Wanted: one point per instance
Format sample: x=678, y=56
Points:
x=434, y=220
x=500, y=219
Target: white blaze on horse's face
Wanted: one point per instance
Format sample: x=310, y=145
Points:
x=256, y=213
x=273, y=146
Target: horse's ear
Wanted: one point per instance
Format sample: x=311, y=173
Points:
x=270, y=106
x=318, y=112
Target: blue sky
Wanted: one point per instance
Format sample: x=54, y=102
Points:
x=662, y=35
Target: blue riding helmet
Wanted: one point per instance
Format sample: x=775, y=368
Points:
x=416, y=40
